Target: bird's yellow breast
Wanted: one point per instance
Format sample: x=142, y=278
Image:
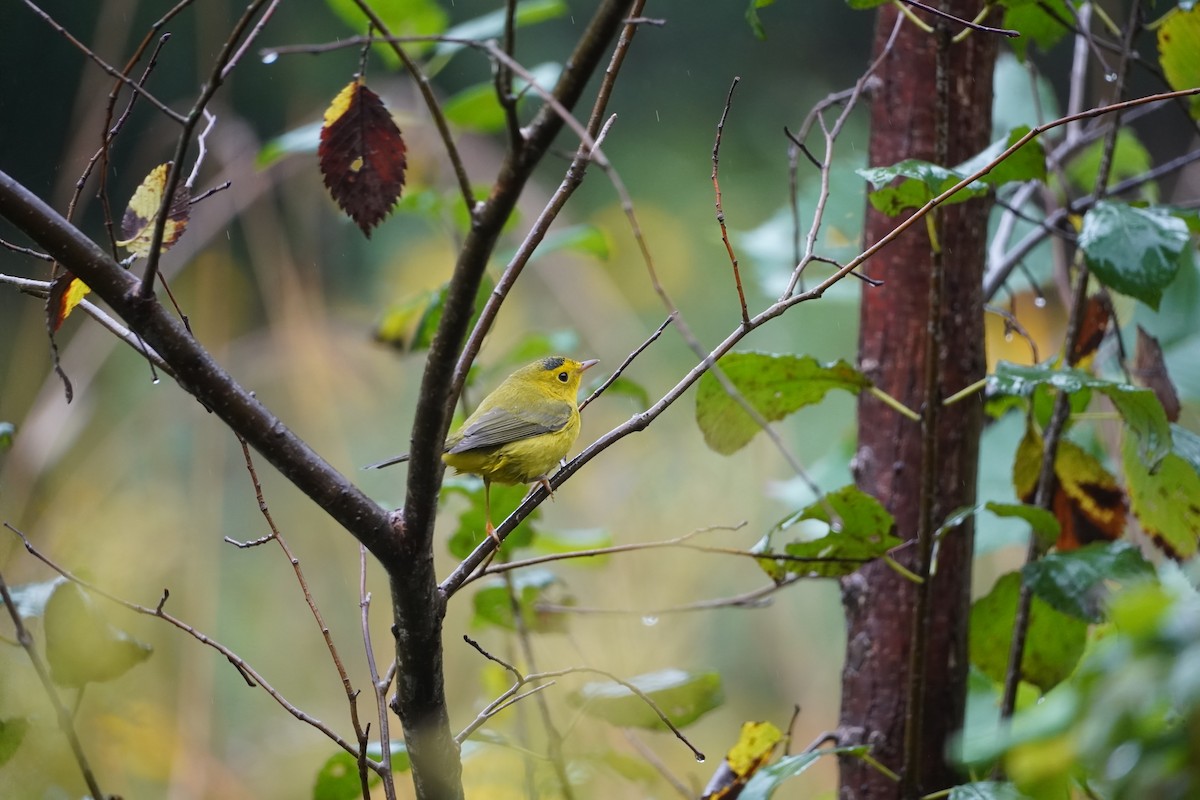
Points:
x=522, y=461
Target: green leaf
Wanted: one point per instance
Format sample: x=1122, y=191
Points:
x=1039, y=23
x=1186, y=445
x=491, y=26
x=863, y=534
x=1129, y=159
x=472, y=522
x=304, y=139
x=1179, y=50
x=409, y=325
x=764, y=783
x=1027, y=164
x=921, y=182
x=12, y=733
x=774, y=385
x=631, y=389
x=338, y=777
x=1079, y=582
x=1135, y=251
x=81, y=646
x=478, y=109
x=562, y=542
x=402, y=17
x=683, y=696
x=1138, y=407
x=1053, y=645
x=7, y=432
x=1042, y=522
x=985, y=790
x=1165, y=501
x=863, y=5
x=753, y=20
x=494, y=606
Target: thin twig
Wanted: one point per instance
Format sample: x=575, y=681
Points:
x=65, y=722
x=431, y=103
x=175, y=171
x=716, y=166
x=251, y=675
x=959, y=20
x=523, y=679
x=104, y=65
x=351, y=692
x=378, y=687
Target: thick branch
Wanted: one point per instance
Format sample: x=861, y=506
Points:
x=196, y=371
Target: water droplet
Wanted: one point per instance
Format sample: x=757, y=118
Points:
x=649, y=621
x=1111, y=77
x=1008, y=337
x=157, y=380
x=700, y=757
x=1039, y=301
x=270, y=57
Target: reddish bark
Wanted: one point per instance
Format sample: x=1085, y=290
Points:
x=892, y=350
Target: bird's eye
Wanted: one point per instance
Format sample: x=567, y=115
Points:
x=562, y=376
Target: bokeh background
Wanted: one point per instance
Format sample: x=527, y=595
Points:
x=135, y=486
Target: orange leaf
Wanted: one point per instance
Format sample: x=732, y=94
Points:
x=362, y=155
x=137, y=226
x=1087, y=501
x=65, y=294
x=1097, y=317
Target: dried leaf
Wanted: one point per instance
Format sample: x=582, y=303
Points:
x=1097, y=317
x=1150, y=370
x=753, y=749
x=1087, y=502
x=137, y=226
x=362, y=155
x=65, y=294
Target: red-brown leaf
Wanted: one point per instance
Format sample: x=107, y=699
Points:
x=362, y=155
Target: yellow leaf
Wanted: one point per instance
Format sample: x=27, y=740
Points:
x=137, y=225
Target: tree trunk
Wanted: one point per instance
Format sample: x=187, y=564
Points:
x=879, y=603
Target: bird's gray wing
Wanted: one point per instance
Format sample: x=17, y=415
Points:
x=499, y=426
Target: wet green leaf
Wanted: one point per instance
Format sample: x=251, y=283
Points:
x=920, y=182
x=1134, y=251
x=1079, y=582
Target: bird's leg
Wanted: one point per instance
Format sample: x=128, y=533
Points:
x=487, y=512
x=545, y=482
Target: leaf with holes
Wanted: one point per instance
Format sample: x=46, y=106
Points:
x=773, y=385
x=362, y=155
x=862, y=534
x=137, y=225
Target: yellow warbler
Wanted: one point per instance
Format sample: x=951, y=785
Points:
x=520, y=431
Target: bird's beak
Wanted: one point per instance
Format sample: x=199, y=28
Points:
x=586, y=365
